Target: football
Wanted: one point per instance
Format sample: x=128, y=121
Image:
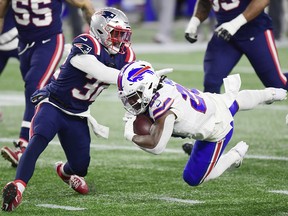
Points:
x=142, y=124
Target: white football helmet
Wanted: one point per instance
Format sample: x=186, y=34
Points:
x=137, y=84
x=111, y=27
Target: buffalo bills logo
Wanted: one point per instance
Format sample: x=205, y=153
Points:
x=137, y=74
x=85, y=49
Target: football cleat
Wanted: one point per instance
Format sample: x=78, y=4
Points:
x=241, y=148
x=278, y=94
x=13, y=155
x=77, y=183
x=12, y=197
x=187, y=147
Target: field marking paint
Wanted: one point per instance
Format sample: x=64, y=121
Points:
x=170, y=199
x=113, y=146
x=69, y=208
x=285, y=192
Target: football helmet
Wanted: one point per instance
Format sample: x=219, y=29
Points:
x=137, y=84
x=111, y=28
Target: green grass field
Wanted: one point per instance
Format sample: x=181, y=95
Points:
x=126, y=181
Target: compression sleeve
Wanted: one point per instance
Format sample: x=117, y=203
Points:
x=165, y=137
x=92, y=66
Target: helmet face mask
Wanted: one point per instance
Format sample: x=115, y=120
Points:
x=137, y=84
x=111, y=27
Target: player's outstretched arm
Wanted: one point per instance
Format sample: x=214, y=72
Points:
x=86, y=6
x=92, y=66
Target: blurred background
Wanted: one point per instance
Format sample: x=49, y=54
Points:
x=164, y=21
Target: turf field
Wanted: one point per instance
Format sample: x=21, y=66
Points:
x=126, y=181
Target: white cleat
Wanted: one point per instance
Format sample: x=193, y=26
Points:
x=241, y=148
x=278, y=94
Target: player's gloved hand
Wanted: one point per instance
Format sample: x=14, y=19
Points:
x=191, y=29
x=128, y=129
x=164, y=71
x=228, y=29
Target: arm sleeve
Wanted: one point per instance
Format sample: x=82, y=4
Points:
x=92, y=66
x=165, y=137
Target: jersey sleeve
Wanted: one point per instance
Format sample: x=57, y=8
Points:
x=86, y=44
x=160, y=104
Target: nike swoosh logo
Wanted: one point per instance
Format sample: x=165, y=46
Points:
x=84, y=39
x=45, y=41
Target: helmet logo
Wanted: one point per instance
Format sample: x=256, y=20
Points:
x=108, y=15
x=137, y=74
x=85, y=49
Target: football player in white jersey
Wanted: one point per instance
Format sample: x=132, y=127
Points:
x=178, y=111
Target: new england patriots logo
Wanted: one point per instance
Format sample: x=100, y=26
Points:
x=137, y=74
x=108, y=15
x=85, y=49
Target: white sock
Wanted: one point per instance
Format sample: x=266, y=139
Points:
x=224, y=162
x=248, y=99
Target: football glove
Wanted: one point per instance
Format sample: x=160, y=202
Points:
x=228, y=29
x=128, y=130
x=191, y=29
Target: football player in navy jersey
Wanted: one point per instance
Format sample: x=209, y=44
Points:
x=40, y=48
x=243, y=28
x=63, y=105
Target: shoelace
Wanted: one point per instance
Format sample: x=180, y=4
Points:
x=75, y=182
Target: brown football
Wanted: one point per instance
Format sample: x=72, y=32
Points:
x=142, y=124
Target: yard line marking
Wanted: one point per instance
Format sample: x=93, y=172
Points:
x=170, y=199
x=279, y=191
x=114, y=146
x=69, y=208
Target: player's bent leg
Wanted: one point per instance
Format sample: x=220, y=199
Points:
x=232, y=159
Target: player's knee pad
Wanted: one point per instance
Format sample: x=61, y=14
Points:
x=191, y=179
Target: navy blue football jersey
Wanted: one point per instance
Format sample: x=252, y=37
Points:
x=43, y=18
x=226, y=10
x=73, y=89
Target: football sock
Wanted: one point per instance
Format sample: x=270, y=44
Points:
x=224, y=162
x=248, y=99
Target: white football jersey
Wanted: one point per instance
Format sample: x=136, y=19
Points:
x=201, y=116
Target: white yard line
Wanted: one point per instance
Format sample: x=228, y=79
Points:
x=170, y=199
x=69, y=208
x=285, y=192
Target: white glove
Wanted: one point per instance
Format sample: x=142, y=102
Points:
x=191, y=29
x=164, y=71
x=228, y=29
x=128, y=130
